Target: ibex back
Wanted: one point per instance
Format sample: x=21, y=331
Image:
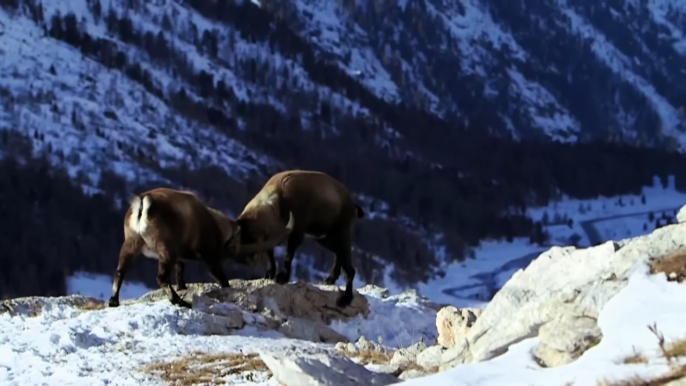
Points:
x=172, y=226
x=306, y=204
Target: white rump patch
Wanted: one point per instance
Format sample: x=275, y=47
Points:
x=136, y=225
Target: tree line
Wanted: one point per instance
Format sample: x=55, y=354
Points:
x=481, y=188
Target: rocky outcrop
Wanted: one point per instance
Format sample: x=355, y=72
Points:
x=298, y=310
x=564, y=340
x=452, y=324
x=558, y=298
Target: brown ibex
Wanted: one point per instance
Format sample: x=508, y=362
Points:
x=316, y=206
x=174, y=226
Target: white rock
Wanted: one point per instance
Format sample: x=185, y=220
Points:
x=564, y=340
x=681, y=215
x=412, y=373
x=453, y=323
x=431, y=357
x=300, y=366
x=351, y=348
x=405, y=356
x=563, y=282
x=363, y=344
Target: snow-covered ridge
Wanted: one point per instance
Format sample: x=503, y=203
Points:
x=77, y=340
x=579, y=315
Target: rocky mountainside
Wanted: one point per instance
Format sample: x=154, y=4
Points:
x=412, y=104
x=610, y=314
x=563, y=69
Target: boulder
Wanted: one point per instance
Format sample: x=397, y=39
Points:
x=563, y=284
x=311, y=366
x=412, y=373
x=298, y=310
x=300, y=299
x=405, y=356
x=431, y=357
x=681, y=215
x=364, y=344
x=453, y=323
x=564, y=340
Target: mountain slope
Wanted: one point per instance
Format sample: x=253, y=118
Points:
x=566, y=69
x=215, y=96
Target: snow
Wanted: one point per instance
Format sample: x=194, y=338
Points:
x=544, y=110
x=472, y=282
x=474, y=25
x=100, y=286
x=66, y=345
x=91, y=91
x=621, y=65
x=646, y=300
x=412, y=320
x=327, y=27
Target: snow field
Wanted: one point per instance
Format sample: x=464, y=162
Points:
x=646, y=300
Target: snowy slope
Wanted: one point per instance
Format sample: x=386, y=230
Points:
x=472, y=283
x=68, y=344
x=647, y=300
x=532, y=64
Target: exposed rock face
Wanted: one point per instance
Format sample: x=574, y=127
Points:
x=563, y=289
x=431, y=357
x=452, y=324
x=564, y=340
x=298, y=310
x=313, y=367
x=405, y=356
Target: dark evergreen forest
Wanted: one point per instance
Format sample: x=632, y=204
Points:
x=481, y=191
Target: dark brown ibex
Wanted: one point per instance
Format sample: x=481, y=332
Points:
x=305, y=204
x=174, y=226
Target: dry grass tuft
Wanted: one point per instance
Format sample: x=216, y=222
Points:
x=674, y=375
x=635, y=358
x=368, y=357
x=674, y=266
x=669, y=351
x=91, y=305
x=676, y=349
x=201, y=368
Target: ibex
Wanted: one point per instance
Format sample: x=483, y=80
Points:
x=174, y=226
x=316, y=206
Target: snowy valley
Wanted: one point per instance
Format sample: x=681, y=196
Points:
x=466, y=131
x=120, y=96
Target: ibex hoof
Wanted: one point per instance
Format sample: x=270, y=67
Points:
x=330, y=281
x=181, y=303
x=282, y=278
x=181, y=287
x=114, y=302
x=344, y=300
